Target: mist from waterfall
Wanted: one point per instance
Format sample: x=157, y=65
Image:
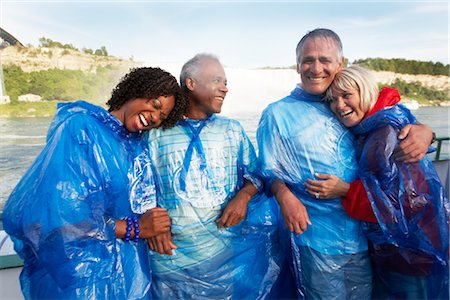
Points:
x=250, y=90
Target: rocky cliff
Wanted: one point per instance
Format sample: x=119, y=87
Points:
x=37, y=59
x=441, y=83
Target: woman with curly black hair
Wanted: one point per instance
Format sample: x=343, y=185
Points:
x=149, y=83
x=75, y=219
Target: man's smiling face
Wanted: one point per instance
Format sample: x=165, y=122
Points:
x=319, y=62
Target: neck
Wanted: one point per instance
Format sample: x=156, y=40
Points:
x=118, y=114
x=195, y=113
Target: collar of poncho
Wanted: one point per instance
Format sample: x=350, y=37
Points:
x=100, y=114
x=300, y=94
x=386, y=111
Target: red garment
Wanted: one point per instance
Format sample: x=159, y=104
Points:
x=387, y=97
x=356, y=202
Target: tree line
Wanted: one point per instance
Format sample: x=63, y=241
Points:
x=404, y=66
x=49, y=43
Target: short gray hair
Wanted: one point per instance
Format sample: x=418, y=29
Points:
x=320, y=33
x=191, y=67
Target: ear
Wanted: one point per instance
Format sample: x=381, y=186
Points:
x=190, y=83
x=298, y=68
x=342, y=63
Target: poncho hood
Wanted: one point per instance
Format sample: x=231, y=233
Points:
x=67, y=110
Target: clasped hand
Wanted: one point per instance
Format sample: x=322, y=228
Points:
x=294, y=213
x=327, y=186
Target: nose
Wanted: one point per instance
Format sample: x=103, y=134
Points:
x=316, y=67
x=340, y=103
x=156, y=118
x=224, y=88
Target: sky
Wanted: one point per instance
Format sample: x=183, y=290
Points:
x=244, y=34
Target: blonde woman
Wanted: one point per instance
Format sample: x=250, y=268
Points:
x=404, y=204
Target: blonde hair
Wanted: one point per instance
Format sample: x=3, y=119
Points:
x=359, y=79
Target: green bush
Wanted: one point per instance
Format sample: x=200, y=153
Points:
x=57, y=84
x=418, y=92
x=403, y=66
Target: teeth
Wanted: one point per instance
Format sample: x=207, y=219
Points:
x=143, y=120
x=344, y=114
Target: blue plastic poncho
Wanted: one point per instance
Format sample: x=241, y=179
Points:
x=201, y=165
x=299, y=136
x=410, y=244
x=61, y=216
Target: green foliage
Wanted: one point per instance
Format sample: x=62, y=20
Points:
x=46, y=42
x=57, y=84
x=418, y=92
x=403, y=66
x=101, y=52
x=49, y=43
x=88, y=51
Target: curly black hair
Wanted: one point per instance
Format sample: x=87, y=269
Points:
x=149, y=83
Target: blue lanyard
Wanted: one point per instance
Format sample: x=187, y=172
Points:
x=196, y=144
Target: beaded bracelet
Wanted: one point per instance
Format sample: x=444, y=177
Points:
x=129, y=228
x=137, y=231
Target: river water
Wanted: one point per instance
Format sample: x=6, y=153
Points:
x=21, y=139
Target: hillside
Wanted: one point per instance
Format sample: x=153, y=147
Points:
x=42, y=58
x=441, y=83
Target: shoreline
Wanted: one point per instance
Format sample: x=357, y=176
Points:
x=46, y=109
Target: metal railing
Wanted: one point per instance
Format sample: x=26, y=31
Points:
x=439, y=140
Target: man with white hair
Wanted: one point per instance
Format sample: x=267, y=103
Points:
x=220, y=242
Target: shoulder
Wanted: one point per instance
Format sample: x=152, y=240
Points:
x=222, y=124
x=226, y=121
x=79, y=120
x=280, y=104
x=165, y=134
x=79, y=110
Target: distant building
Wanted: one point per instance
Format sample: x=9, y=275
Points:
x=4, y=100
x=30, y=98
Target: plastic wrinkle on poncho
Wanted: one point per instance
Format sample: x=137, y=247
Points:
x=201, y=164
x=409, y=201
x=61, y=215
x=299, y=136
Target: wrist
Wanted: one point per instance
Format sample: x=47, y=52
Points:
x=248, y=192
x=277, y=188
x=132, y=229
x=346, y=188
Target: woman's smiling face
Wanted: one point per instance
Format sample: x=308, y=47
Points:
x=143, y=114
x=346, y=106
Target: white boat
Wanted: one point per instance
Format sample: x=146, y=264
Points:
x=411, y=104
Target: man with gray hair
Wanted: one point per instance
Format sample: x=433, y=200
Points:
x=219, y=246
x=299, y=138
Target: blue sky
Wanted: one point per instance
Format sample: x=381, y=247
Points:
x=244, y=34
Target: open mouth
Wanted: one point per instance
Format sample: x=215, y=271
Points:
x=345, y=113
x=316, y=78
x=143, y=120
